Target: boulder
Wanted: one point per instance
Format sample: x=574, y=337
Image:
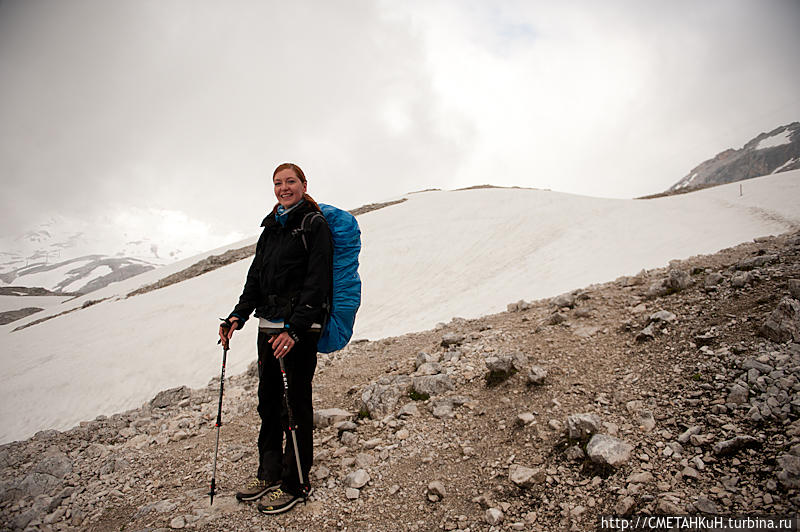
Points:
x=783, y=324
x=170, y=397
x=608, y=450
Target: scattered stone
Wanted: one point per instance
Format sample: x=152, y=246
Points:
x=789, y=474
x=452, y=339
x=536, y=375
x=625, y=506
x=784, y=323
x=738, y=394
x=436, y=491
x=330, y=416
x=735, y=445
x=581, y=426
x=608, y=450
x=525, y=477
x=357, y=479
x=432, y=384
x=170, y=397
x=663, y=316
x=493, y=516
x=378, y=400
x=564, y=301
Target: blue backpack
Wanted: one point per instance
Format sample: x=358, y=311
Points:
x=346, y=295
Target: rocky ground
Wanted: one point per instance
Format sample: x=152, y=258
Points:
x=676, y=391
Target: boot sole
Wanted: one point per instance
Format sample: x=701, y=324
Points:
x=256, y=496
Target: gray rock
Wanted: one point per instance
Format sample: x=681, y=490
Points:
x=581, y=426
x=519, y=306
x=706, y=506
x=625, y=506
x=575, y=453
x=741, y=279
x=648, y=333
x=56, y=465
x=691, y=431
x=675, y=281
x=789, y=473
x=177, y=523
x=752, y=363
x=735, y=445
x=608, y=450
x=493, y=516
x=352, y=493
x=432, y=384
x=556, y=318
x=644, y=477
x=783, y=324
x=451, y=339
x=646, y=420
x=34, y=484
x=424, y=358
x=526, y=418
x=378, y=400
x=408, y=410
x=564, y=301
x=344, y=426
x=738, y=394
x=436, y=491
x=330, y=416
x=357, y=479
x=429, y=368
x=525, y=477
x=756, y=262
x=794, y=288
x=536, y=375
x=170, y=397
x=713, y=280
x=663, y=316
x=349, y=439
x=586, y=331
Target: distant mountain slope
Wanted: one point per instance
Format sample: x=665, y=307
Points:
x=768, y=153
x=79, y=275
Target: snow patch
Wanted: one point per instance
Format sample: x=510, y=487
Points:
x=775, y=140
x=785, y=165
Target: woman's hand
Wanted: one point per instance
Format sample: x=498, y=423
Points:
x=281, y=344
x=226, y=331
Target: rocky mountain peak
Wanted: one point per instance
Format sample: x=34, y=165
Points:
x=768, y=153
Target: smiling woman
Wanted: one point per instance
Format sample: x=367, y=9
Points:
x=289, y=287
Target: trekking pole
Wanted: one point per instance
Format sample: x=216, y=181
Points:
x=292, y=427
x=219, y=424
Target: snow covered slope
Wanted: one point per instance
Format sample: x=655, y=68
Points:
x=438, y=255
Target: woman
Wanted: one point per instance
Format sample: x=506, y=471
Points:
x=288, y=285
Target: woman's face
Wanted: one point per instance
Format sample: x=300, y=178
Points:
x=288, y=187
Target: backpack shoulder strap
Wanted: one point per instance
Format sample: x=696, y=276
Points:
x=305, y=223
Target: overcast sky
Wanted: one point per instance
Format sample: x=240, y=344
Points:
x=127, y=112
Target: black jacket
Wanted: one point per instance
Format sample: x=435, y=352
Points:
x=286, y=281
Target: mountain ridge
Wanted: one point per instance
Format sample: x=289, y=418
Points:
x=767, y=153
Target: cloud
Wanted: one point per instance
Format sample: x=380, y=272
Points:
x=188, y=106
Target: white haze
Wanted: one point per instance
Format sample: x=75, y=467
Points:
x=439, y=255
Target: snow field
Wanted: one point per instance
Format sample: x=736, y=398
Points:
x=429, y=259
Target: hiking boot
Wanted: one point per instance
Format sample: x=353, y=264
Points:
x=278, y=501
x=256, y=489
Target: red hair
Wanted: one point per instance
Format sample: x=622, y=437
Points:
x=301, y=176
